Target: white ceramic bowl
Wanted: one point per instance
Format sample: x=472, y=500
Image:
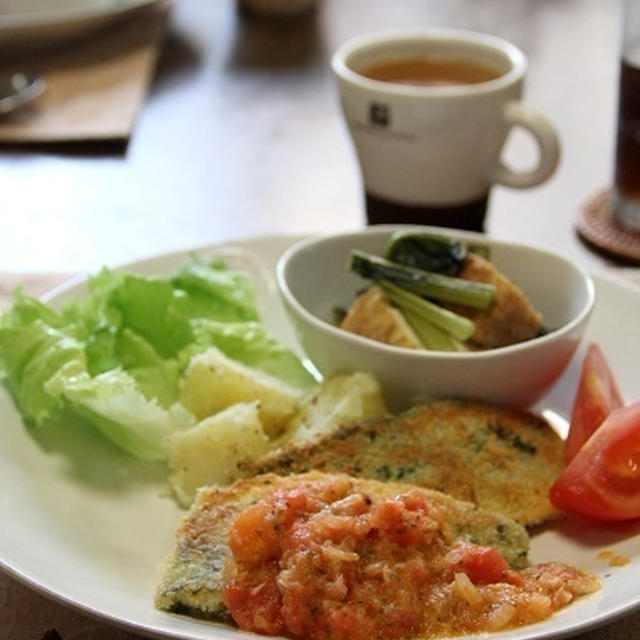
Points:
x=314, y=279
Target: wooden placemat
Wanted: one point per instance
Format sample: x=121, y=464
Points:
x=94, y=87
x=597, y=226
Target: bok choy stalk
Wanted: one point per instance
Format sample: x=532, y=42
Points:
x=423, y=283
x=431, y=336
x=458, y=326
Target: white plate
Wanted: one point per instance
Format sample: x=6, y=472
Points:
x=88, y=526
x=39, y=22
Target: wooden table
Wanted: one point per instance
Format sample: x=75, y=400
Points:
x=241, y=135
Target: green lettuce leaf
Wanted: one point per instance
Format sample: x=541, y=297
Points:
x=149, y=306
x=215, y=292
x=33, y=346
x=112, y=402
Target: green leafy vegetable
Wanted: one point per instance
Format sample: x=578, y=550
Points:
x=458, y=326
x=215, y=292
x=431, y=285
x=426, y=251
x=113, y=403
x=431, y=336
x=33, y=346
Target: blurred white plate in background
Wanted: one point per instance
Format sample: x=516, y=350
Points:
x=44, y=22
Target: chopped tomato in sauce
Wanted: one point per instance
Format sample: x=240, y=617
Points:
x=322, y=561
x=483, y=565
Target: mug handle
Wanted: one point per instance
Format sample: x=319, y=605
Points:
x=517, y=114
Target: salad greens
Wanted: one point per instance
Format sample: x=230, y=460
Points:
x=114, y=358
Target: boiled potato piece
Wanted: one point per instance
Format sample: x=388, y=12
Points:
x=212, y=382
x=210, y=452
x=341, y=399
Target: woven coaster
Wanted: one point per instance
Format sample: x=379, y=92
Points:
x=597, y=226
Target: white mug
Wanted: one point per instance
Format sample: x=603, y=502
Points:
x=430, y=153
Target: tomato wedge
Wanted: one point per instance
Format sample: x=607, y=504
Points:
x=596, y=398
x=603, y=479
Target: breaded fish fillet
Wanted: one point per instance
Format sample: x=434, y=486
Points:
x=500, y=458
x=192, y=579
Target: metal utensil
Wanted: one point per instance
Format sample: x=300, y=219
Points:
x=16, y=89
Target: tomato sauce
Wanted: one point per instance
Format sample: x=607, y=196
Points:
x=325, y=561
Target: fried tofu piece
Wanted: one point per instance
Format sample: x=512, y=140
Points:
x=372, y=315
x=510, y=319
x=192, y=578
x=500, y=458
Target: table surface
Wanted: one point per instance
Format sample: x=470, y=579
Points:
x=241, y=135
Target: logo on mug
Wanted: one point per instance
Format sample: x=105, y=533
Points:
x=379, y=114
